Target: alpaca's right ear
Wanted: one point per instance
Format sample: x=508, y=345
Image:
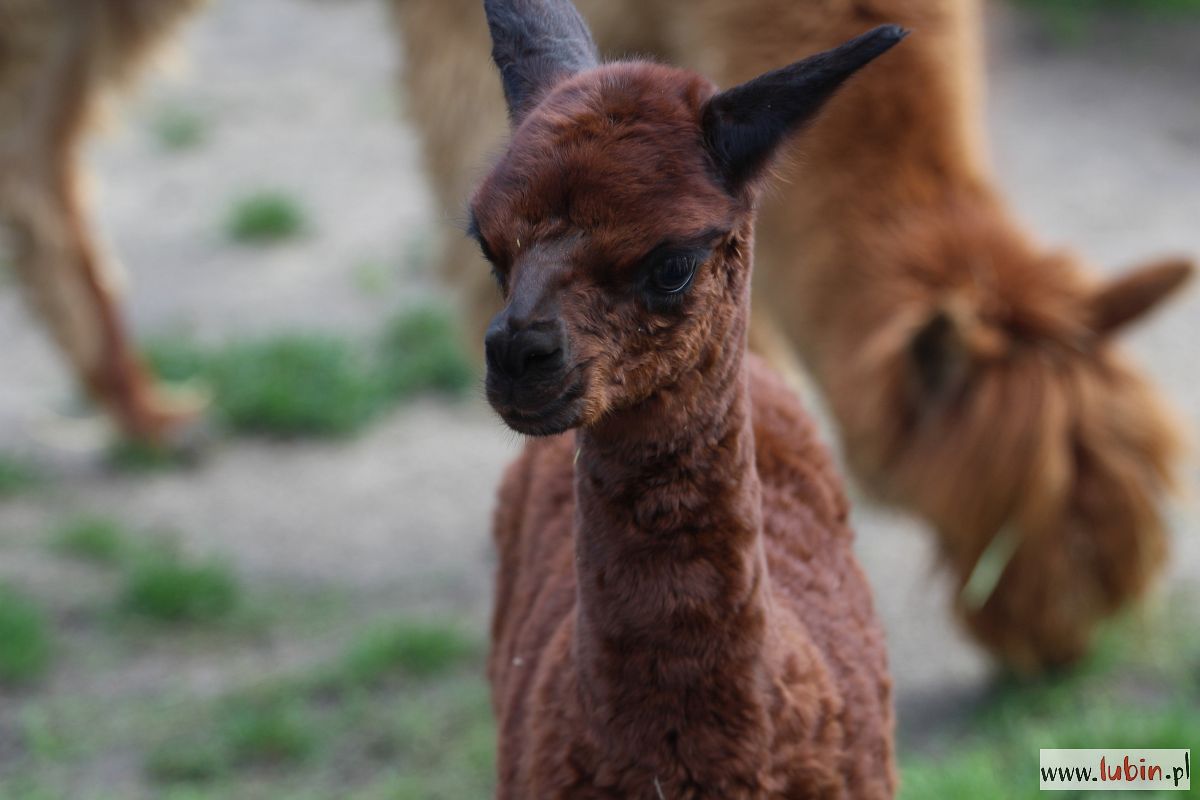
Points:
x=537, y=43
x=1131, y=296
x=745, y=125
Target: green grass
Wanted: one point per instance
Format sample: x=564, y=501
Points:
x=264, y=218
x=185, y=759
x=94, y=539
x=1087, y=6
x=1069, y=21
x=415, y=649
x=421, y=352
x=179, y=129
x=178, y=358
x=24, y=638
x=164, y=586
x=16, y=476
x=245, y=731
x=1003, y=764
x=271, y=731
x=410, y=715
x=287, y=385
x=295, y=385
x=1138, y=691
x=132, y=456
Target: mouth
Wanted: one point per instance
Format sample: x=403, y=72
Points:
x=549, y=418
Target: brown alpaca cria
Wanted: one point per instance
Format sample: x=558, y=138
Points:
x=975, y=377
x=57, y=60
x=679, y=612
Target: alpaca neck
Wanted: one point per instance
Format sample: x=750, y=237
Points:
x=670, y=568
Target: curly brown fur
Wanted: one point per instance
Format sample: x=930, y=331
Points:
x=57, y=61
x=920, y=306
x=678, y=609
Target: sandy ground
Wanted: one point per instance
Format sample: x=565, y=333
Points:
x=1099, y=146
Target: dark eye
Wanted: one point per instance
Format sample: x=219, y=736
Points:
x=674, y=273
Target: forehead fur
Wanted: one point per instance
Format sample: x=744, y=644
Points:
x=617, y=153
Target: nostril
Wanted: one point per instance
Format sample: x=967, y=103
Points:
x=542, y=358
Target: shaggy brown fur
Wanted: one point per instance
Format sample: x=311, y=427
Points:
x=680, y=613
x=57, y=59
x=974, y=375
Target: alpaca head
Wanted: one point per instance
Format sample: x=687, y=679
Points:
x=618, y=221
x=1013, y=414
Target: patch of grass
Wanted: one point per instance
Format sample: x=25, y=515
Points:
x=187, y=760
x=285, y=385
x=16, y=476
x=164, y=586
x=421, y=352
x=177, y=358
x=276, y=729
x=294, y=385
x=1003, y=765
x=94, y=539
x=264, y=218
x=179, y=129
x=417, y=649
x=128, y=455
x=404, y=713
x=42, y=734
x=1070, y=21
x=1144, y=6
x=972, y=774
x=318, y=384
x=245, y=731
x=1139, y=691
x=24, y=638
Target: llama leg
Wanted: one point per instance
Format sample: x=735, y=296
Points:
x=48, y=85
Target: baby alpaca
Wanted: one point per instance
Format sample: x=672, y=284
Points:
x=976, y=377
x=678, y=612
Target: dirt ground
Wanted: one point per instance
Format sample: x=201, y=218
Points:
x=1098, y=145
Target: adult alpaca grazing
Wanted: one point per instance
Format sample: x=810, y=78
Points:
x=976, y=377
x=678, y=612
x=57, y=60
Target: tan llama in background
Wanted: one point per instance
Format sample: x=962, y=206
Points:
x=58, y=60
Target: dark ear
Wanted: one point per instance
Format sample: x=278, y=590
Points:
x=746, y=124
x=1129, y=297
x=536, y=43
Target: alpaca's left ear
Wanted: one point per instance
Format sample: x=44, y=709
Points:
x=537, y=43
x=1129, y=297
x=746, y=124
